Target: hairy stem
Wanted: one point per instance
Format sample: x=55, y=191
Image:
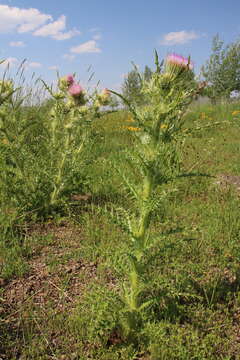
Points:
x=58, y=181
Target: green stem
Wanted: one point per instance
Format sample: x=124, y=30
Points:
x=145, y=210
x=140, y=237
x=15, y=156
x=58, y=181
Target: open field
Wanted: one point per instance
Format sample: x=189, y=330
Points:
x=119, y=180
x=61, y=271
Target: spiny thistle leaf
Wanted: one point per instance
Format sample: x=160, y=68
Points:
x=158, y=67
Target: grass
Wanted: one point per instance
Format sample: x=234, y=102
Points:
x=60, y=277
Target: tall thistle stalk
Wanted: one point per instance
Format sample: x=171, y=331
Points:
x=70, y=116
x=153, y=161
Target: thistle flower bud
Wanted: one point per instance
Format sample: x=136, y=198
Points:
x=69, y=104
x=97, y=103
x=70, y=79
x=6, y=87
x=145, y=139
x=59, y=96
x=104, y=97
x=106, y=93
x=65, y=82
x=83, y=110
x=77, y=94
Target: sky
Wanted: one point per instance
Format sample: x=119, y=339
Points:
x=71, y=36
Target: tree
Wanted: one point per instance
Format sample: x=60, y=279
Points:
x=222, y=70
x=132, y=85
x=147, y=75
x=113, y=103
x=131, y=88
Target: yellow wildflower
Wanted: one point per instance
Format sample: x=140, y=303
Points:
x=132, y=128
x=236, y=112
x=163, y=126
x=130, y=119
x=5, y=141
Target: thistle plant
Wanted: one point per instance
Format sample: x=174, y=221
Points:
x=41, y=148
x=153, y=161
x=11, y=162
x=69, y=122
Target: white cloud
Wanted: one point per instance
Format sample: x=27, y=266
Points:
x=54, y=67
x=34, y=65
x=97, y=37
x=87, y=47
x=56, y=29
x=66, y=35
x=69, y=57
x=32, y=20
x=31, y=64
x=11, y=61
x=21, y=20
x=179, y=37
x=17, y=44
x=96, y=29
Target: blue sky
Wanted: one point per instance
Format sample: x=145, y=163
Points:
x=109, y=34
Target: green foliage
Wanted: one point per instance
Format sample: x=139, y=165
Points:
x=174, y=342
x=41, y=152
x=191, y=272
x=222, y=70
x=162, y=282
x=155, y=158
x=131, y=87
x=113, y=103
x=95, y=318
x=147, y=75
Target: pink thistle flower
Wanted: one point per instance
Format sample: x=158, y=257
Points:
x=179, y=60
x=75, y=90
x=70, y=79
